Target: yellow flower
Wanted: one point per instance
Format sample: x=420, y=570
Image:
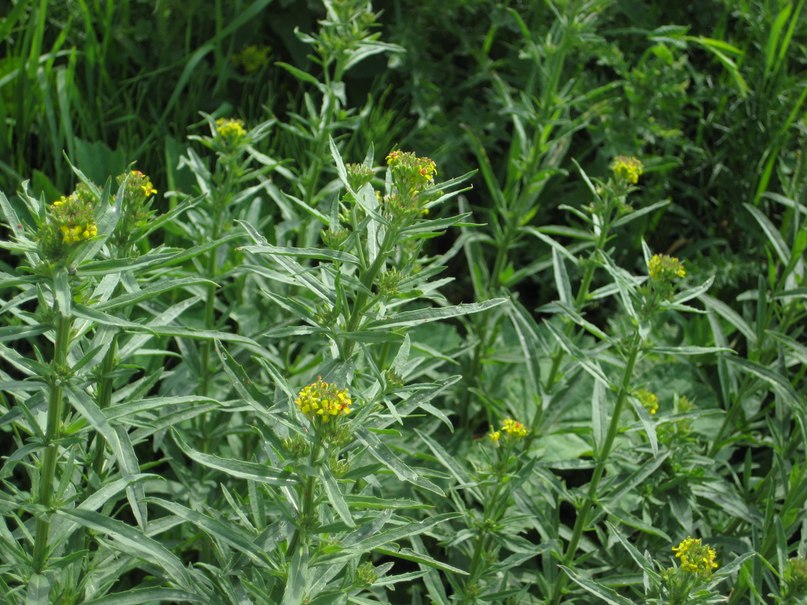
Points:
x=695, y=557
x=148, y=189
x=663, y=267
x=648, y=400
x=627, y=168
x=323, y=401
x=230, y=130
x=514, y=428
x=494, y=436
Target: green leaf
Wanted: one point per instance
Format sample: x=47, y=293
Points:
x=381, y=539
x=598, y=590
x=262, y=473
x=420, y=558
x=384, y=455
x=132, y=542
x=453, y=466
x=38, y=592
x=334, y=496
x=229, y=533
x=779, y=383
x=420, y=316
x=731, y=316
x=118, y=440
x=61, y=291
x=146, y=596
x=295, y=579
x=316, y=253
x=772, y=233
x=562, y=283
x=299, y=74
x=9, y=333
x=340, y=165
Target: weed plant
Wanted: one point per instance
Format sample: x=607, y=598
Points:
x=457, y=302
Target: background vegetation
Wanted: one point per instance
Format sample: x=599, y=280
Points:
x=213, y=228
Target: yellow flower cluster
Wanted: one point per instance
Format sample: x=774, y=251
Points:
x=511, y=428
x=252, y=58
x=230, y=131
x=663, y=267
x=76, y=233
x=413, y=180
x=648, y=399
x=73, y=217
x=627, y=168
x=407, y=162
x=695, y=557
x=514, y=428
x=323, y=400
x=147, y=186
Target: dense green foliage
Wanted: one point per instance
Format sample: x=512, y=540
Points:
x=254, y=350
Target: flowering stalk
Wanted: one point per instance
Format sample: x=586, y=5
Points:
x=626, y=171
x=634, y=348
x=324, y=404
x=47, y=474
x=504, y=442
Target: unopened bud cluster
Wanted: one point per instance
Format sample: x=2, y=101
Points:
x=70, y=220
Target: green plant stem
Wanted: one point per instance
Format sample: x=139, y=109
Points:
x=52, y=433
x=307, y=506
x=474, y=571
x=367, y=279
x=599, y=469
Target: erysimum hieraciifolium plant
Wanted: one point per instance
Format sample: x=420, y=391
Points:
x=78, y=310
x=326, y=489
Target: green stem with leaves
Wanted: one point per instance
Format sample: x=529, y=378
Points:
x=634, y=348
x=582, y=294
x=308, y=500
x=53, y=431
